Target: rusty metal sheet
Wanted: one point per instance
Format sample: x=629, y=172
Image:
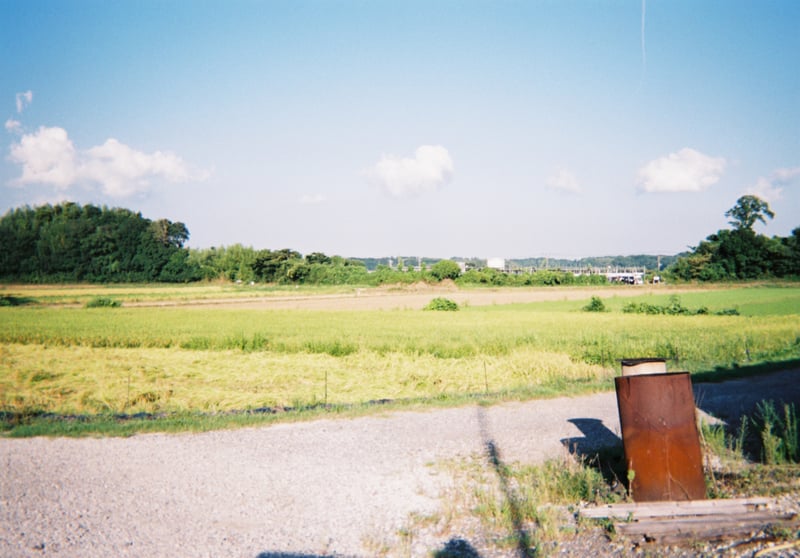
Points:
x=659, y=434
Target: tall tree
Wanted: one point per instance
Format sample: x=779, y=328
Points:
x=747, y=211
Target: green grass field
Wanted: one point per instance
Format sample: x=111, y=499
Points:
x=178, y=360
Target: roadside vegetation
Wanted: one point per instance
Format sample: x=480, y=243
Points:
x=531, y=510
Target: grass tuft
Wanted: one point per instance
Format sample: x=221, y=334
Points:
x=103, y=302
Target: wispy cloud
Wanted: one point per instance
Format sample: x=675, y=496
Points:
x=429, y=169
x=770, y=188
x=687, y=170
x=23, y=100
x=564, y=180
x=49, y=157
x=13, y=126
x=312, y=199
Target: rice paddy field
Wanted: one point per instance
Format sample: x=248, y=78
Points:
x=60, y=358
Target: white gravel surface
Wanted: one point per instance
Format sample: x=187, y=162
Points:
x=316, y=488
x=312, y=489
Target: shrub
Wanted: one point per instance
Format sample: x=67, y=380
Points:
x=443, y=304
x=673, y=308
x=103, y=302
x=446, y=269
x=8, y=300
x=728, y=312
x=595, y=305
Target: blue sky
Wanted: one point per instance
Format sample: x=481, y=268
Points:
x=433, y=128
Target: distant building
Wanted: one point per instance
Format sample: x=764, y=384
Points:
x=496, y=263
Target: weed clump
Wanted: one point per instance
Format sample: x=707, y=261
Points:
x=9, y=300
x=768, y=434
x=103, y=302
x=442, y=304
x=673, y=308
x=595, y=305
x=780, y=440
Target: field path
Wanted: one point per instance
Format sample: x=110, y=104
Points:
x=331, y=487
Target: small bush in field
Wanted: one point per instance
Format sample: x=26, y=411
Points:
x=595, y=305
x=103, y=302
x=443, y=304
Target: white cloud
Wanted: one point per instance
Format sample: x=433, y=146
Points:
x=24, y=99
x=685, y=171
x=771, y=188
x=564, y=180
x=429, y=169
x=48, y=156
x=13, y=126
x=122, y=171
x=315, y=199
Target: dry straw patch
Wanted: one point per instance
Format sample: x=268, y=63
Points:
x=77, y=379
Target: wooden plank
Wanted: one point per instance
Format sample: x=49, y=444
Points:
x=703, y=528
x=675, y=509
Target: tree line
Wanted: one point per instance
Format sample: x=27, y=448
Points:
x=245, y=265
x=68, y=243
x=72, y=243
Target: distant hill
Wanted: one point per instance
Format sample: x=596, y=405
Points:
x=650, y=262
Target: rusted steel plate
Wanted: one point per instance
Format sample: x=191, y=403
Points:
x=659, y=434
x=637, y=366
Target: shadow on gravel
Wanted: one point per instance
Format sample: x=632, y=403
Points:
x=457, y=548
x=599, y=448
x=294, y=555
x=732, y=399
x=596, y=436
x=524, y=547
x=454, y=548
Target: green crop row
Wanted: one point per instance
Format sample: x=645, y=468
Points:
x=596, y=338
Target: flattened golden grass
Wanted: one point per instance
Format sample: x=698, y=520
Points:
x=85, y=380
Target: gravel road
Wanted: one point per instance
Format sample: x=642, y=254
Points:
x=301, y=490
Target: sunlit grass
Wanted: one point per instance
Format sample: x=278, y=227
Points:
x=84, y=380
x=75, y=360
x=595, y=338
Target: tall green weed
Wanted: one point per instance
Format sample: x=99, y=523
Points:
x=778, y=433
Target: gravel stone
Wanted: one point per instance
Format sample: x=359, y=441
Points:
x=333, y=487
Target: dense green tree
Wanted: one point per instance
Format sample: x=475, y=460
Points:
x=790, y=261
x=272, y=266
x=445, y=269
x=317, y=258
x=69, y=242
x=740, y=253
